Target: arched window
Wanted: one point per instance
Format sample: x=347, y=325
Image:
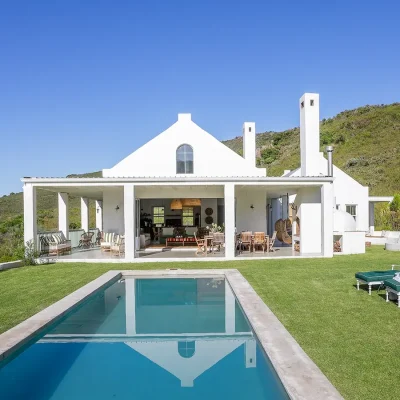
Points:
x=184, y=159
x=186, y=349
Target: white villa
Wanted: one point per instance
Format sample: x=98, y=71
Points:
x=185, y=179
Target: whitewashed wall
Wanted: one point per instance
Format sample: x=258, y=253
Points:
x=248, y=219
x=346, y=191
x=157, y=158
x=308, y=201
x=113, y=220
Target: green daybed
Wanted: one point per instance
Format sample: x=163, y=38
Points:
x=392, y=286
x=372, y=278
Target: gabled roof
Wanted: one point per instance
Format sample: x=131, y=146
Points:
x=157, y=158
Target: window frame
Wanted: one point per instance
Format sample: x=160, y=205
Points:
x=189, y=215
x=349, y=206
x=159, y=215
x=188, y=157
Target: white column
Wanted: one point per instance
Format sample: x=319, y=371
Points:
x=327, y=219
x=371, y=218
x=63, y=219
x=30, y=221
x=251, y=351
x=229, y=220
x=130, y=306
x=99, y=215
x=85, y=214
x=129, y=221
x=229, y=310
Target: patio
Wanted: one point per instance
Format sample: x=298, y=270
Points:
x=94, y=254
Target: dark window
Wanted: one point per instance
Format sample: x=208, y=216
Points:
x=184, y=159
x=249, y=128
x=311, y=103
x=186, y=349
x=302, y=104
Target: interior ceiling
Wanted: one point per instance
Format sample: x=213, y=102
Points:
x=91, y=192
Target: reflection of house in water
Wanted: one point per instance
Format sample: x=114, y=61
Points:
x=185, y=326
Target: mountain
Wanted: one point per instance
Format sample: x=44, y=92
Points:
x=366, y=142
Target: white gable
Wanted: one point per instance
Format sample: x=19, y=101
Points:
x=157, y=158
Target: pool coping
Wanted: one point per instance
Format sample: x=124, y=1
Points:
x=300, y=376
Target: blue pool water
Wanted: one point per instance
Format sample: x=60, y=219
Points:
x=146, y=339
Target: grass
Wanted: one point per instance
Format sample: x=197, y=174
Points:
x=351, y=336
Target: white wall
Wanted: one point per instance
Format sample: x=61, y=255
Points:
x=346, y=190
x=113, y=220
x=308, y=201
x=248, y=219
x=157, y=158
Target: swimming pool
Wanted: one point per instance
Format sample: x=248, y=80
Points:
x=146, y=338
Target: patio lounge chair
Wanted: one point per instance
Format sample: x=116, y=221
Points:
x=107, y=239
x=373, y=278
x=392, y=286
x=58, y=244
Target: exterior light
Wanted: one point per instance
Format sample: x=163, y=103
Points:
x=117, y=208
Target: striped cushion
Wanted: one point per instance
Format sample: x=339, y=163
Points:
x=108, y=237
x=56, y=238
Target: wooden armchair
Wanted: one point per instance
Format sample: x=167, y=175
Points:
x=218, y=240
x=260, y=241
x=272, y=242
x=86, y=240
x=201, y=245
x=246, y=241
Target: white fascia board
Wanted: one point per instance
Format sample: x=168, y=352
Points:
x=174, y=181
x=380, y=199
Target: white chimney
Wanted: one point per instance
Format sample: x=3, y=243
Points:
x=249, y=142
x=184, y=117
x=309, y=134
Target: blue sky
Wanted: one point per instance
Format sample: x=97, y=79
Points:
x=84, y=83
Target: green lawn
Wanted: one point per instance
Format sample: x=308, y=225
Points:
x=351, y=336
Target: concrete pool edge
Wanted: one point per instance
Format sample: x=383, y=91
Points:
x=299, y=375
x=16, y=337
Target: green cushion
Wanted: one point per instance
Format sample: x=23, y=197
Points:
x=393, y=284
x=374, y=276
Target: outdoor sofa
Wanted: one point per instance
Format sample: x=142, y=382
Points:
x=58, y=244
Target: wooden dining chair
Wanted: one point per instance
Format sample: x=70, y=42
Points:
x=246, y=241
x=201, y=245
x=259, y=242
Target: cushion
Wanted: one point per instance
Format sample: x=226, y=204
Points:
x=392, y=284
x=374, y=276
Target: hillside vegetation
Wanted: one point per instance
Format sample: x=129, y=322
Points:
x=366, y=142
